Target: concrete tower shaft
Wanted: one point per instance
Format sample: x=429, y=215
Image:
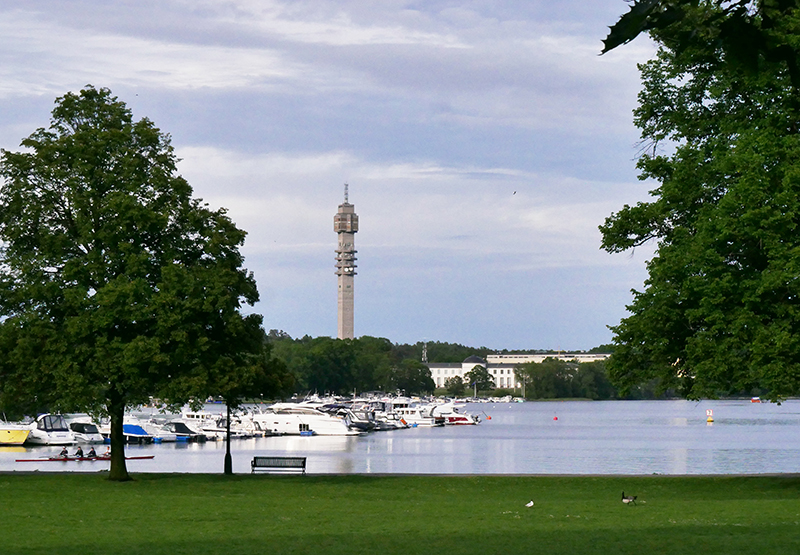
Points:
x=345, y=224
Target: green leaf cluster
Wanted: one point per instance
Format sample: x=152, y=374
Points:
x=327, y=365
x=720, y=310
x=455, y=386
x=115, y=283
x=480, y=378
x=744, y=33
x=559, y=379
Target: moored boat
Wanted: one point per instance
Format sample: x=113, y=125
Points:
x=50, y=429
x=85, y=432
x=452, y=415
x=419, y=416
x=184, y=433
x=297, y=419
x=13, y=434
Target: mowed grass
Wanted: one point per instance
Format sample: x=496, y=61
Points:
x=198, y=514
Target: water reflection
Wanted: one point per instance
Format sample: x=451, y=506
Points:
x=665, y=437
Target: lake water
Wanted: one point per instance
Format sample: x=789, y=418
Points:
x=602, y=437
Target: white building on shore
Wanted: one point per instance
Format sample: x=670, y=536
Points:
x=501, y=367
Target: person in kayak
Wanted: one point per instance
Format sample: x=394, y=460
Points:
x=79, y=453
x=92, y=453
x=64, y=453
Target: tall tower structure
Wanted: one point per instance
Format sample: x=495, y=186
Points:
x=345, y=224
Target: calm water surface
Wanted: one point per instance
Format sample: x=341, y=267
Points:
x=608, y=437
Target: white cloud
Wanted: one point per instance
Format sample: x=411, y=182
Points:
x=288, y=202
x=435, y=112
x=58, y=57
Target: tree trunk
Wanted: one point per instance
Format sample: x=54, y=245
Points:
x=228, y=459
x=119, y=471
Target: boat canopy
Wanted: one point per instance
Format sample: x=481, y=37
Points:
x=134, y=430
x=52, y=423
x=84, y=428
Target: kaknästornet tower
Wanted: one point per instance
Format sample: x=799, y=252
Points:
x=345, y=224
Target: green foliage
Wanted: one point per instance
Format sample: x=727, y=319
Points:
x=455, y=386
x=720, y=308
x=745, y=34
x=115, y=284
x=453, y=352
x=411, y=377
x=549, y=379
x=606, y=348
x=327, y=365
x=558, y=379
x=480, y=378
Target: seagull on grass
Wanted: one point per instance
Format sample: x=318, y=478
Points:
x=529, y=504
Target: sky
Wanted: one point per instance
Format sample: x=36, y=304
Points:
x=483, y=144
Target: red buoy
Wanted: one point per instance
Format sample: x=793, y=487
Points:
x=555, y=418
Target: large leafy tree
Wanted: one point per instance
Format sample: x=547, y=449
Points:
x=455, y=386
x=721, y=306
x=115, y=284
x=410, y=376
x=479, y=378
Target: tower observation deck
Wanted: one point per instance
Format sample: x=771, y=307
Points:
x=345, y=224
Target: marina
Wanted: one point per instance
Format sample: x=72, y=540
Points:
x=572, y=437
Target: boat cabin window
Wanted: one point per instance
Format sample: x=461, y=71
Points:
x=84, y=428
x=53, y=423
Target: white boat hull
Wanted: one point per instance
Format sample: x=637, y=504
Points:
x=290, y=419
x=38, y=437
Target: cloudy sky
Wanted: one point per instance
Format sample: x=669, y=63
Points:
x=483, y=142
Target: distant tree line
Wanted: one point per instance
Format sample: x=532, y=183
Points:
x=553, y=379
x=327, y=365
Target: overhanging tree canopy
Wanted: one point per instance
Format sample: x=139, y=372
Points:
x=720, y=311
x=115, y=284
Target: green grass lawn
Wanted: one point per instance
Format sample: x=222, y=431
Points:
x=197, y=514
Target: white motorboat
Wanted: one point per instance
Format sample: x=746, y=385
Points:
x=156, y=429
x=213, y=425
x=385, y=419
x=249, y=426
x=296, y=419
x=389, y=421
x=85, y=432
x=50, y=429
x=184, y=433
x=132, y=430
x=418, y=415
x=453, y=416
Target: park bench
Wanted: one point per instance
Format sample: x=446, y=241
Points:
x=279, y=464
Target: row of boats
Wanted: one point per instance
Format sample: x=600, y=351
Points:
x=325, y=417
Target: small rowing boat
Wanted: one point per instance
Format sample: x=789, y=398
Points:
x=90, y=459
